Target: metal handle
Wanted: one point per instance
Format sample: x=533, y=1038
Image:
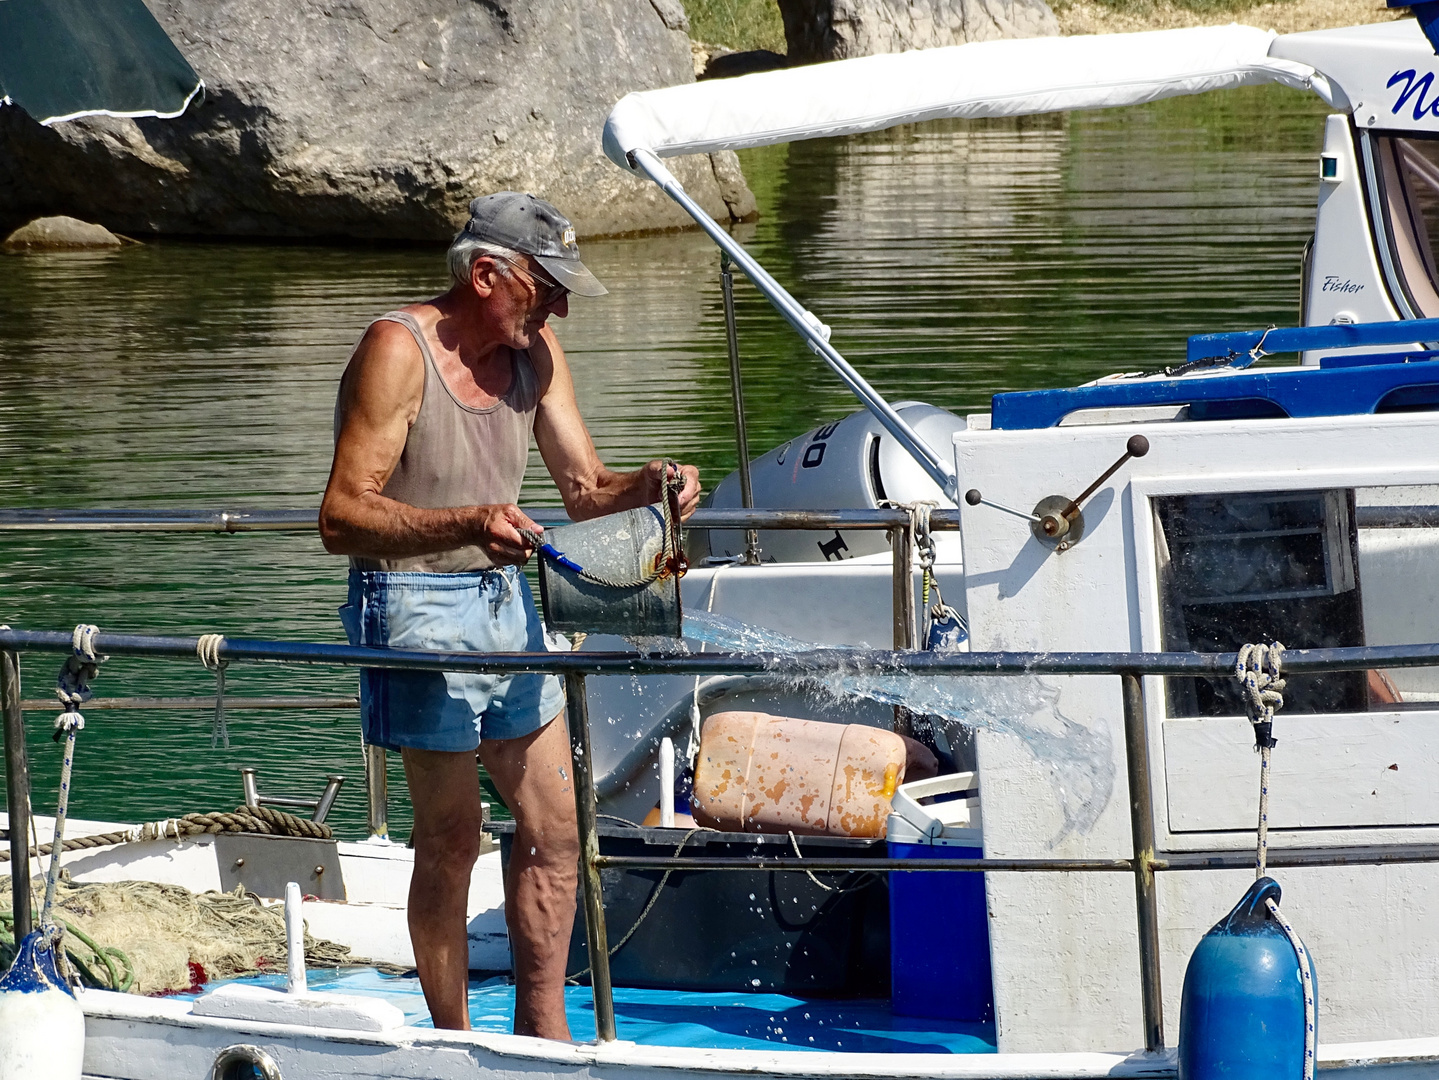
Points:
x=974, y=498
x=1136, y=447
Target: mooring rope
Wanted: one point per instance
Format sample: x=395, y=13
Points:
x=72, y=688
x=1258, y=672
x=244, y=819
x=671, y=558
x=208, y=650
x=938, y=613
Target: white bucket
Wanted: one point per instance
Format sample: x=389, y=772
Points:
x=42, y=1028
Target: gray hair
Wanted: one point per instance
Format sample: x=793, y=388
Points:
x=466, y=248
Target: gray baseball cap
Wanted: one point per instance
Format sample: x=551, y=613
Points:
x=515, y=220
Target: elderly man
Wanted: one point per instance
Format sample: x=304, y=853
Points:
x=433, y=427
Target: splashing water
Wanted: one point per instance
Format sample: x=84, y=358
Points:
x=1079, y=760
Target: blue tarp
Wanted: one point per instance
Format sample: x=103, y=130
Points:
x=720, y=1021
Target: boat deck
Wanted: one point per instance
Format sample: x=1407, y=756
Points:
x=721, y=1021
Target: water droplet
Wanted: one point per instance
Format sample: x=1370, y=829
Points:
x=532, y=851
x=754, y=982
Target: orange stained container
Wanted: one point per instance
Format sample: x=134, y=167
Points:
x=762, y=773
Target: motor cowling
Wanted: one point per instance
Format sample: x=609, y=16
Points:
x=849, y=464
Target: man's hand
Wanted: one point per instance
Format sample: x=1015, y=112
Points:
x=499, y=534
x=689, y=497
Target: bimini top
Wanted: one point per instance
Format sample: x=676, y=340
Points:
x=981, y=79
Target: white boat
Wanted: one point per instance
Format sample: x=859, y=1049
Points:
x=1299, y=503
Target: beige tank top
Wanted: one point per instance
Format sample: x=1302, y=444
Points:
x=457, y=455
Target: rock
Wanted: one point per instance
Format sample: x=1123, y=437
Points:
x=818, y=30
x=63, y=233
x=728, y=65
x=374, y=119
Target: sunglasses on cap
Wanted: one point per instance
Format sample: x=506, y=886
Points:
x=549, y=291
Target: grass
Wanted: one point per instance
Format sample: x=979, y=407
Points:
x=737, y=24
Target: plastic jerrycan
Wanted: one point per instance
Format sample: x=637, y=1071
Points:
x=1241, y=1013
x=762, y=773
x=42, y=1028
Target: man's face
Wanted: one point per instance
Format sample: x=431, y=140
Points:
x=521, y=302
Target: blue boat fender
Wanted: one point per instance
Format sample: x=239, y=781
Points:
x=1242, y=1013
x=42, y=1028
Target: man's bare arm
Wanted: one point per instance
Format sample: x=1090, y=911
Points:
x=589, y=489
x=380, y=397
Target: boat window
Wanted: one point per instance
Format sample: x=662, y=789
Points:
x=1313, y=569
x=1409, y=182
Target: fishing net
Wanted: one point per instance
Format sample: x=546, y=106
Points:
x=170, y=938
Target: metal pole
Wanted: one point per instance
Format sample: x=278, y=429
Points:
x=901, y=541
x=1141, y=821
x=377, y=791
x=17, y=792
x=746, y=491
x=816, y=335
x=587, y=814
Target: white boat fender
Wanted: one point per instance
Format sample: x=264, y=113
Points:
x=42, y=1028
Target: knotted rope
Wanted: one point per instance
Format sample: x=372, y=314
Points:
x=207, y=648
x=939, y=613
x=72, y=687
x=671, y=559
x=244, y=819
x=1258, y=672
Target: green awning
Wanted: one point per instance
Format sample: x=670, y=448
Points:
x=63, y=59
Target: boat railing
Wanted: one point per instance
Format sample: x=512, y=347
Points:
x=1131, y=668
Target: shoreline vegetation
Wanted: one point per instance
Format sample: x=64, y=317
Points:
x=718, y=26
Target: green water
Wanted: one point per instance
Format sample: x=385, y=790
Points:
x=953, y=260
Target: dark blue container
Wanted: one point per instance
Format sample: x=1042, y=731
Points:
x=939, y=937
x=1241, y=1015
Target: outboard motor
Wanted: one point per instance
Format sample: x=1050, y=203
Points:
x=1241, y=1014
x=850, y=464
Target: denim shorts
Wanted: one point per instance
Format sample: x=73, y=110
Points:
x=476, y=611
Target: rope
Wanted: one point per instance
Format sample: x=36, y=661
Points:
x=654, y=898
x=245, y=819
x=1258, y=672
x=864, y=881
x=72, y=687
x=1306, y=978
x=671, y=559
x=938, y=613
x=207, y=648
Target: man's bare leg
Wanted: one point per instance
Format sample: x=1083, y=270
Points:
x=532, y=775
x=445, y=792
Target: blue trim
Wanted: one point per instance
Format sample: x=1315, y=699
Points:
x=1368, y=359
x=1428, y=16
x=1307, y=338
x=1292, y=392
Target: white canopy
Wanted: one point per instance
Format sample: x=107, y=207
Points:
x=986, y=78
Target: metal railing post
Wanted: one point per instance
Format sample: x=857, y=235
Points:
x=377, y=792
x=17, y=792
x=1141, y=821
x=901, y=542
x=586, y=812
x=746, y=491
